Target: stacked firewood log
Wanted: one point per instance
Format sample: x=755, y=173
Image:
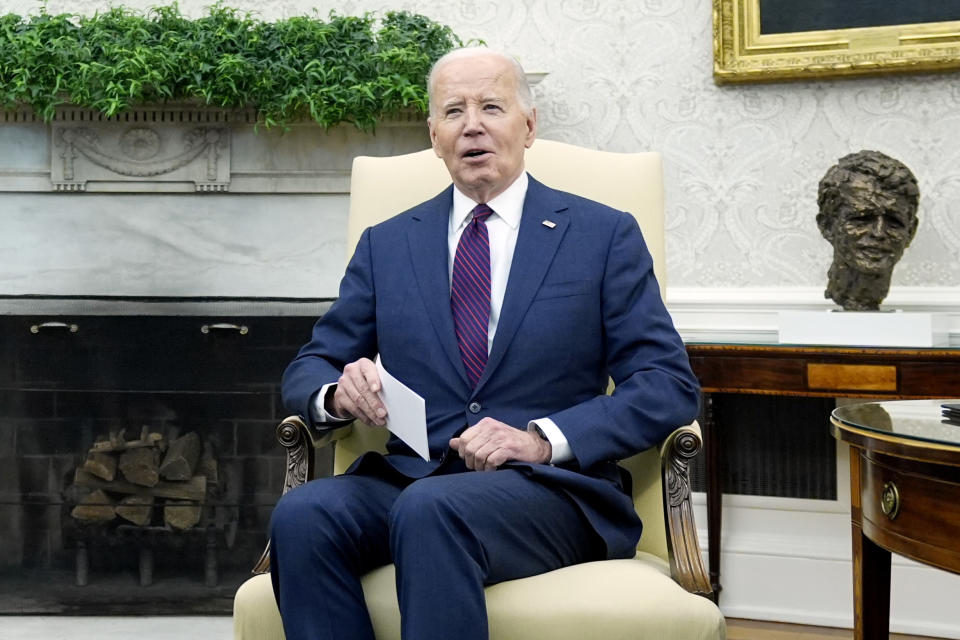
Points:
x=156, y=479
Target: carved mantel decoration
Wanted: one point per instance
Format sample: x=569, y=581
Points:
x=142, y=150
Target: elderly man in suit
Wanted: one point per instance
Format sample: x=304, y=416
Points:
x=507, y=305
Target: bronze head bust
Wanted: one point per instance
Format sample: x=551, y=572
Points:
x=868, y=212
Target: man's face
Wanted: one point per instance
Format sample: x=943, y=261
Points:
x=871, y=227
x=478, y=126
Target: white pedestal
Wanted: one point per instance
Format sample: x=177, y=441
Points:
x=864, y=328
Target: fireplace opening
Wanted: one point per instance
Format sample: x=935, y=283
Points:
x=138, y=460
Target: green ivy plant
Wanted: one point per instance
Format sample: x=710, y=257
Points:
x=343, y=69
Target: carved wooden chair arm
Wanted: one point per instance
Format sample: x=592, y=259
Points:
x=683, y=547
x=301, y=443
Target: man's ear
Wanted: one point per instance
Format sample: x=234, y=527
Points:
x=531, y=128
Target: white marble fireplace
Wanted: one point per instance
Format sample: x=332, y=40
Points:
x=157, y=270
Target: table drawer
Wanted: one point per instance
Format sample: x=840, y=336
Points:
x=823, y=376
x=911, y=509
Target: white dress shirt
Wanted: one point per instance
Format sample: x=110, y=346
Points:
x=502, y=228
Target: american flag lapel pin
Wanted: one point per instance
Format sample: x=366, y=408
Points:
x=550, y=224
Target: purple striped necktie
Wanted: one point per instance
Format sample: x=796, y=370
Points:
x=470, y=293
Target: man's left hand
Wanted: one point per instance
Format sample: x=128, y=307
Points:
x=489, y=443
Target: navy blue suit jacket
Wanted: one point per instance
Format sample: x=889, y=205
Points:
x=581, y=304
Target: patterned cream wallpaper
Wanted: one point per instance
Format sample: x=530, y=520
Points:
x=742, y=162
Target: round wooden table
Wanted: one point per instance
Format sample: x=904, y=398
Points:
x=904, y=495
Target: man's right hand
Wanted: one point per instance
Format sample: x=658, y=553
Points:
x=357, y=393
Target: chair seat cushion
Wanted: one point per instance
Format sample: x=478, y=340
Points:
x=612, y=599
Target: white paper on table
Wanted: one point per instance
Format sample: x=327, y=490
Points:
x=406, y=412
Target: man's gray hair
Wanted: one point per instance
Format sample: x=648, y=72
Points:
x=524, y=95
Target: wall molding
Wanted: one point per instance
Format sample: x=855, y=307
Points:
x=749, y=314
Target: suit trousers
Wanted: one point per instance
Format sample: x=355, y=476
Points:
x=448, y=535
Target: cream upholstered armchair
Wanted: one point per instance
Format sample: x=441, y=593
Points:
x=652, y=596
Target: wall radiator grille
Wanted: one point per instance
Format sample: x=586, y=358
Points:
x=774, y=446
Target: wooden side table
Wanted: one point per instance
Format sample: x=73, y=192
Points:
x=904, y=495
x=811, y=371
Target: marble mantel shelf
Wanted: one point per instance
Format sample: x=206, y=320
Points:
x=79, y=306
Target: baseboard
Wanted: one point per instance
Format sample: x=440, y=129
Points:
x=787, y=560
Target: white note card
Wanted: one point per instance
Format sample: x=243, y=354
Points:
x=406, y=412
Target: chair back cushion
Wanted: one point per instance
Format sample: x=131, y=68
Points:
x=383, y=187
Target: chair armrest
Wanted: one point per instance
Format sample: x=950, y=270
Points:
x=683, y=547
x=301, y=443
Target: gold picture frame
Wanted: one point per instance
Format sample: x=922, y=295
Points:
x=741, y=53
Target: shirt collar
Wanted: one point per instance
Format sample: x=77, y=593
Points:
x=508, y=205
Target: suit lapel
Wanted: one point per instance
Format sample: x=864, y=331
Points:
x=537, y=244
x=429, y=251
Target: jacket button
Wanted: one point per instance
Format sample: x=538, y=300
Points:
x=474, y=407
